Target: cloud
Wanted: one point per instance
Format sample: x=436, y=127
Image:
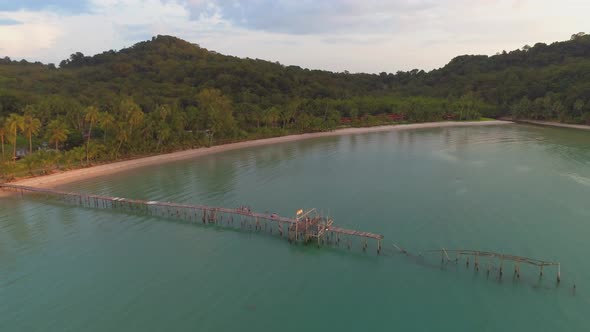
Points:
x=368, y=36
x=8, y=21
x=311, y=17
x=71, y=6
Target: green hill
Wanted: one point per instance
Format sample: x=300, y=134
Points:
x=167, y=93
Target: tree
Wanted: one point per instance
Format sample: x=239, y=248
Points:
x=557, y=109
x=467, y=107
x=106, y=121
x=271, y=115
x=31, y=161
x=132, y=112
x=578, y=35
x=521, y=109
x=122, y=137
x=91, y=117
x=14, y=123
x=78, y=153
x=47, y=159
x=136, y=118
x=31, y=127
x=2, y=134
x=94, y=151
x=578, y=107
x=57, y=132
x=219, y=119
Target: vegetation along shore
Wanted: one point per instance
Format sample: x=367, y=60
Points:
x=60, y=178
x=167, y=94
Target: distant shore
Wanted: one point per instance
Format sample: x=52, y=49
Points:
x=554, y=124
x=57, y=179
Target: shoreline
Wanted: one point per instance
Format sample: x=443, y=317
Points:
x=553, y=124
x=61, y=178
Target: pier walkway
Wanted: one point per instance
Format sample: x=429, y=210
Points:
x=306, y=226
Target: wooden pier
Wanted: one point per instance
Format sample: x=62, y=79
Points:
x=489, y=257
x=307, y=226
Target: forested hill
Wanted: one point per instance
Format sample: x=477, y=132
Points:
x=543, y=81
x=166, y=93
x=168, y=70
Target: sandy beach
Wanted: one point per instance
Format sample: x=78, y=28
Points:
x=56, y=179
x=555, y=124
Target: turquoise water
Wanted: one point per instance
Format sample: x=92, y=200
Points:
x=515, y=189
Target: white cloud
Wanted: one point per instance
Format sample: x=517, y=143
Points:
x=337, y=35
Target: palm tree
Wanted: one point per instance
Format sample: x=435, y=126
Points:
x=105, y=121
x=95, y=150
x=135, y=118
x=122, y=136
x=91, y=117
x=78, y=153
x=31, y=127
x=57, y=132
x=2, y=134
x=271, y=115
x=14, y=123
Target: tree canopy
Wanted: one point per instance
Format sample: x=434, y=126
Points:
x=166, y=93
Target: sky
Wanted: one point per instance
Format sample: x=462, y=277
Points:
x=355, y=35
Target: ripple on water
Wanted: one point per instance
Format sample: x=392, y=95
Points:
x=421, y=189
x=577, y=178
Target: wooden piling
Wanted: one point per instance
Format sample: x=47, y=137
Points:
x=308, y=225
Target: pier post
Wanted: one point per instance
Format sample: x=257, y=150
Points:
x=517, y=270
x=558, y=273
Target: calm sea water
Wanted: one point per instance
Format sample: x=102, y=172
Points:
x=515, y=189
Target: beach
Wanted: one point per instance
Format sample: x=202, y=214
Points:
x=555, y=124
x=57, y=179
